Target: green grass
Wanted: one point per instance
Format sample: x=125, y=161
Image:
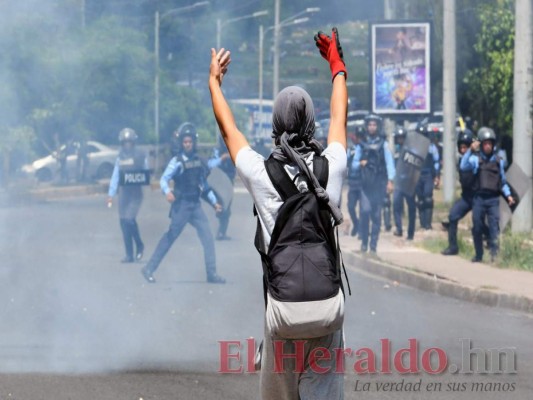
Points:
x=516, y=250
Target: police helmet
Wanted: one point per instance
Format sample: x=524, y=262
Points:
x=360, y=131
x=127, y=135
x=485, y=133
x=399, y=132
x=184, y=130
x=465, y=137
x=422, y=129
x=373, y=117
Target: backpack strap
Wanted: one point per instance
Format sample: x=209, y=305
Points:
x=280, y=179
x=321, y=170
x=265, y=261
x=282, y=182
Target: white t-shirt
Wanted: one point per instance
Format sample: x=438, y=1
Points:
x=251, y=169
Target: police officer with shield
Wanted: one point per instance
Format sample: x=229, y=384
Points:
x=376, y=163
x=129, y=174
x=489, y=177
x=189, y=175
x=400, y=135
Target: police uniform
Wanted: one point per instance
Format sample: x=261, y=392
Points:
x=490, y=181
x=130, y=196
x=354, y=188
x=464, y=204
x=399, y=196
x=189, y=175
x=387, y=208
x=227, y=166
x=378, y=169
x=424, y=188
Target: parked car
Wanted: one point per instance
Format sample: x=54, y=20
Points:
x=435, y=122
x=100, y=166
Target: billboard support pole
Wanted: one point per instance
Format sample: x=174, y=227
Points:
x=449, y=102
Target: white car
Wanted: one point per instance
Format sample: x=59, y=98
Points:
x=100, y=166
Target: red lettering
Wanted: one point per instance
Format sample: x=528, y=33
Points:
x=280, y=355
x=339, y=359
x=385, y=356
x=442, y=360
x=314, y=358
x=366, y=365
x=250, y=356
x=225, y=356
x=412, y=351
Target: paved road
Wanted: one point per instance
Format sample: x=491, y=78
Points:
x=77, y=324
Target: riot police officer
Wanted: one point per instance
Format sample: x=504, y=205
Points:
x=488, y=171
x=429, y=179
x=376, y=163
x=399, y=195
x=130, y=160
x=464, y=204
x=189, y=175
x=354, y=180
x=221, y=159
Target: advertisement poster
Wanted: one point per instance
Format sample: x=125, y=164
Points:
x=400, y=67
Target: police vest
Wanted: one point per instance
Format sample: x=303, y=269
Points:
x=467, y=179
x=187, y=183
x=428, y=167
x=132, y=168
x=354, y=175
x=375, y=170
x=489, y=177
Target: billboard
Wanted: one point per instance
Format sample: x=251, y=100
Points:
x=400, y=67
x=260, y=117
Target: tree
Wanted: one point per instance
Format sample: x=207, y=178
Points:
x=490, y=84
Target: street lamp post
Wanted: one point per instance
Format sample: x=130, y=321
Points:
x=275, y=72
x=221, y=24
x=262, y=32
x=158, y=18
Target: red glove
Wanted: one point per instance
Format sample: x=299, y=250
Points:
x=330, y=48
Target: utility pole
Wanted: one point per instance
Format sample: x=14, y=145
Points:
x=275, y=77
x=449, y=101
x=523, y=108
x=389, y=9
x=82, y=6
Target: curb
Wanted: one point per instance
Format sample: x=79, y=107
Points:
x=439, y=285
x=67, y=191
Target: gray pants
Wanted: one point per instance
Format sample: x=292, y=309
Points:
x=309, y=385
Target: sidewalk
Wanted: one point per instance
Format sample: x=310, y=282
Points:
x=453, y=276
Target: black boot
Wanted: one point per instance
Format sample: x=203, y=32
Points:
x=452, y=249
x=387, y=219
x=478, y=246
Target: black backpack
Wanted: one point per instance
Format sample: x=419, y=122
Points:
x=303, y=261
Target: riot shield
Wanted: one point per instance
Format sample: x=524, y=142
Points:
x=222, y=186
x=412, y=156
x=518, y=182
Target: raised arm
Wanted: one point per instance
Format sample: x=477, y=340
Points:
x=231, y=135
x=330, y=48
x=338, y=110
